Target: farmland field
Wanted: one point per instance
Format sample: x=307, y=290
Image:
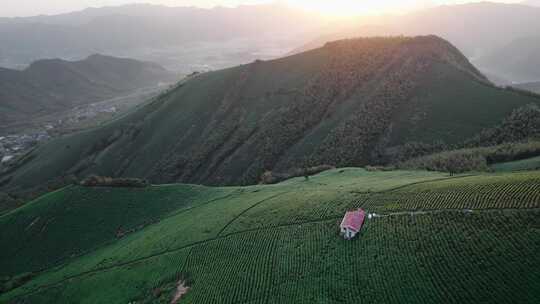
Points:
x=468, y=238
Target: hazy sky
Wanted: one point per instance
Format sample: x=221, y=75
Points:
x=11, y=8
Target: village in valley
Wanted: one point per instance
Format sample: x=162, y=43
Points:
x=12, y=146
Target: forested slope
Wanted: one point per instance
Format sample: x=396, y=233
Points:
x=345, y=104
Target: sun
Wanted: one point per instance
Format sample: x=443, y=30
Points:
x=344, y=8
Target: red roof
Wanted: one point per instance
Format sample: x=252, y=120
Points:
x=353, y=220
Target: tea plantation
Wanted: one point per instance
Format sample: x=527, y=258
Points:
x=434, y=238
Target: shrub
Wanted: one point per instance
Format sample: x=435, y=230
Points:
x=104, y=181
x=269, y=177
x=473, y=159
x=411, y=150
x=458, y=161
x=379, y=168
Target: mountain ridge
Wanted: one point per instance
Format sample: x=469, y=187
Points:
x=459, y=25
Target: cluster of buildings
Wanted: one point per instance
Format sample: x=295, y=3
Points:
x=12, y=146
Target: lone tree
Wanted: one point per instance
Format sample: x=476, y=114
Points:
x=306, y=168
x=306, y=174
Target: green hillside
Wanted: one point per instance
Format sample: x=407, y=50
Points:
x=434, y=239
x=345, y=104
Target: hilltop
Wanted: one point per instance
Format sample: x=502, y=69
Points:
x=502, y=50
x=433, y=238
x=349, y=103
x=54, y=85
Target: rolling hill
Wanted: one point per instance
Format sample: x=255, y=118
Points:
x=53, y=85
x=345, y=104
x=432, y=238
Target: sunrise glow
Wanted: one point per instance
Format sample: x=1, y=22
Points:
x=340, y=8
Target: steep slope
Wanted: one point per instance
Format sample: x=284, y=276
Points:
x=53, y=85
x=342, y=105
x=465, y=239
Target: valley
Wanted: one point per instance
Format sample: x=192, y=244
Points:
x=18, y=139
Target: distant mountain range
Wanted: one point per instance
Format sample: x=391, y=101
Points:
x=519, y=60
x=157, y=33
x=349, y=103
x=186, y=39
x=52, y=85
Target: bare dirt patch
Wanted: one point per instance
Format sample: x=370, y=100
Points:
x=181, y=289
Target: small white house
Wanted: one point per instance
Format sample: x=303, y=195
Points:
x=352, y=223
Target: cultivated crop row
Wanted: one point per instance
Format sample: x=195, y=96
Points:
x=446, y=257
x=395, y=259
x=512, y=194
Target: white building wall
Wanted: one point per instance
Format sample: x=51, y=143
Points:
x=348, y=233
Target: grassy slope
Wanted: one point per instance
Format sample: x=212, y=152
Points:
x=279, y=243
x=37, y=232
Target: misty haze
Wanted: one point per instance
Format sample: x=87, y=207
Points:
x=259, y=151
